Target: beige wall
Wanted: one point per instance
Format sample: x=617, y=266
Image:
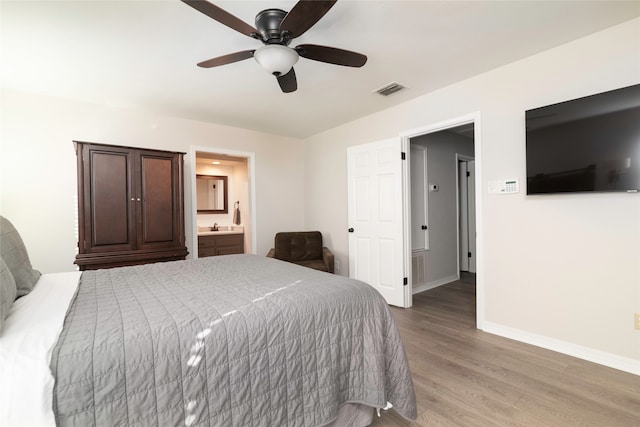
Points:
x=561, y=271
x=38, y=168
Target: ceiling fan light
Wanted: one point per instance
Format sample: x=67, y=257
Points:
x=276, y=59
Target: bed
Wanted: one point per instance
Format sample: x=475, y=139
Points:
x=237, y=340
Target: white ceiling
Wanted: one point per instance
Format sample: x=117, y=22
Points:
x=143, y=54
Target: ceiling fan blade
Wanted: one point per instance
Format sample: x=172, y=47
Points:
x=304, y=15
x=222, y=16
x=331, y=55
x=288, y=82
x=226, y=59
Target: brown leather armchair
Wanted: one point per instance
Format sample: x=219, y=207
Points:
x=303, y=248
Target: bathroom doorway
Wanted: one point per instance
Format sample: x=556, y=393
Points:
x=234, y=188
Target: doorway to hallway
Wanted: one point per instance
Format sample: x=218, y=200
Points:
x=443, y=220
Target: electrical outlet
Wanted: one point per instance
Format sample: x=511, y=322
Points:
x=337, y=264
x=637, y=321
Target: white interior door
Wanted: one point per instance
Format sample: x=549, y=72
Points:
x=375, y=211
x=463, y=212
x=419, y=199
x=471, y=209
x=467, y=214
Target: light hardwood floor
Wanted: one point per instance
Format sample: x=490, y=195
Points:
x=466, y=377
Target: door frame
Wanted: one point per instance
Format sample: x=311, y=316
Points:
x=475, y=119
x=251, y=162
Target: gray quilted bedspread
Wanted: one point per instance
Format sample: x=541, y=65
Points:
x=237, y=340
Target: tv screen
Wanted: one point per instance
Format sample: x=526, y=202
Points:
x=586, y=144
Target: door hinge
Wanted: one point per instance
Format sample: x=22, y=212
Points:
x=403, y=155
x=405, y=281
x=468, y=174
x=469, y=254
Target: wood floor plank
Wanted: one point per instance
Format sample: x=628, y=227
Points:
x=466, y=377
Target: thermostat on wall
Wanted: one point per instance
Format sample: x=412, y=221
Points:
x=505, y=186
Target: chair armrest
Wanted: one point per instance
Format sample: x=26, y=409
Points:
x=272, y=253
x=327, y=257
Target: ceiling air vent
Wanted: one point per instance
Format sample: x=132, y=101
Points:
x=390, y=88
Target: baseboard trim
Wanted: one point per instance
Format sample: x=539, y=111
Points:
x=596, y=356
x=434, y=284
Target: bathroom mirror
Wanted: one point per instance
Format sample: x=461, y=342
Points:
x=211, y=193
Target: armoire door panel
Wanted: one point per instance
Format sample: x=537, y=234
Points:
x=157, y=193
x=110, y=199
x=107, y=200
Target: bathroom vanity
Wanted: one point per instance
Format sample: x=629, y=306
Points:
x=224, y=241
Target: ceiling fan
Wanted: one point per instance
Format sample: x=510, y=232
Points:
x=275, y=28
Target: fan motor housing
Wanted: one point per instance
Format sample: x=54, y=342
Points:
x=268, y=24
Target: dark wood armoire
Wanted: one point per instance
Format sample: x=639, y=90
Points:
x=130, y=206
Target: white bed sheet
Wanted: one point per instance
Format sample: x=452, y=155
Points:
x=28, y=335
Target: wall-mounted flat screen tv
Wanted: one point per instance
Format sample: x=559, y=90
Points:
x=586, y=144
